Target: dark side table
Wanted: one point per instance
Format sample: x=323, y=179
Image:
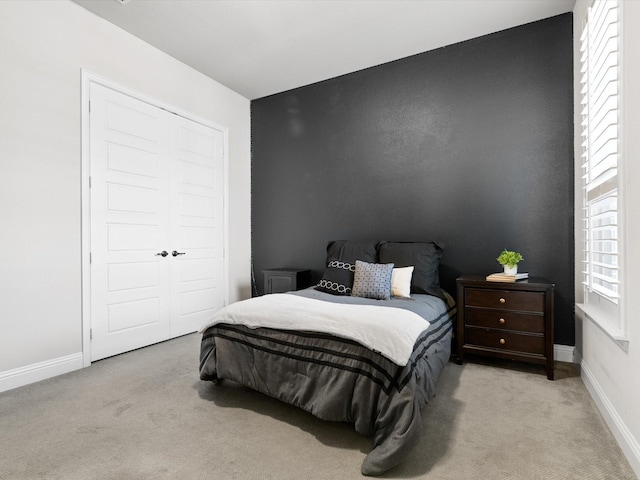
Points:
x=279, y=280
x=510, y=320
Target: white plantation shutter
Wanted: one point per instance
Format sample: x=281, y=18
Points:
x=600, y=101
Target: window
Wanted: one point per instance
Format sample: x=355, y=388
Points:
x=600, y=103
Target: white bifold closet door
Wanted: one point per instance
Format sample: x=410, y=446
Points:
x=157, y=192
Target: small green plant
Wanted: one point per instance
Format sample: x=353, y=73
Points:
x=509, y=258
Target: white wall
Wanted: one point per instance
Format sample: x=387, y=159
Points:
x=610, y=373
x=43, y=47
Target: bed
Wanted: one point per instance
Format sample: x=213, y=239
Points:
x=366, y=345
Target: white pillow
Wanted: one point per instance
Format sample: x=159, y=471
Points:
x=401, y=282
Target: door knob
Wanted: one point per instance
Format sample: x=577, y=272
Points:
x=175, y=253
x=163, y=253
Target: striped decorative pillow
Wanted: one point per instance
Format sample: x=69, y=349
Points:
x=337, y=278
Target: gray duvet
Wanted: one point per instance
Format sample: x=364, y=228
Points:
x=338, y=379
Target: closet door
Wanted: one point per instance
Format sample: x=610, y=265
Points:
x=130, y=281
x=157, y=226
x=197, y=224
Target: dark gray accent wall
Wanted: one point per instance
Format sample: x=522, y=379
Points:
x=470, y=145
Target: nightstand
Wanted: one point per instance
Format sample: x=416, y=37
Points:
x=279, y=280
x=506, y=320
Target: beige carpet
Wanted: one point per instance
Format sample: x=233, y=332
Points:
x=146, y=415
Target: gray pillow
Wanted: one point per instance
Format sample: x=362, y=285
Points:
x=423, y=256
x=350, y=251
x=372, y=280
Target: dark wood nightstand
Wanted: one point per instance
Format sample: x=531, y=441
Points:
x=506, y=320
x=280, y=280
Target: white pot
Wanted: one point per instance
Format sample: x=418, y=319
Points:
x=510, y=270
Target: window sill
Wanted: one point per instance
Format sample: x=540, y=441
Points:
x=616, y=334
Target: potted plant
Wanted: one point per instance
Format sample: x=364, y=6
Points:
x=509, y=260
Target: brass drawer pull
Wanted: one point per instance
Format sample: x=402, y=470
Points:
x=502, y=341
x=502, y=300
x=502, y=320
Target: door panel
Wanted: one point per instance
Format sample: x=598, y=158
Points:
x=121, y=158
x=132, y=118
x=136, y=313
x=132, y=275
x=132, y=199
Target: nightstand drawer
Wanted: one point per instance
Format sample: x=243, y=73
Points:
x=503, y=299
x=504, y=319
x=504, y=340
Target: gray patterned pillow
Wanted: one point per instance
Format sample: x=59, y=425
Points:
x=372, y=280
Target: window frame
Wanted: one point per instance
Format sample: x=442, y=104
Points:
x=608, y=315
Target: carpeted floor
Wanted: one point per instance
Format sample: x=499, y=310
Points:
x=146, y=415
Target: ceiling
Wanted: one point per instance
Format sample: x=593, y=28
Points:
x=262, y=47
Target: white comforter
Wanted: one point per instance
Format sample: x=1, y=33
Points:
x=390, y=331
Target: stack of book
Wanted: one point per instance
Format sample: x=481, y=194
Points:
x=503, y=277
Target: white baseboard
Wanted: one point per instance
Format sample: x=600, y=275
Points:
x=563, y=353
x=39, y=371
x=628, y=443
